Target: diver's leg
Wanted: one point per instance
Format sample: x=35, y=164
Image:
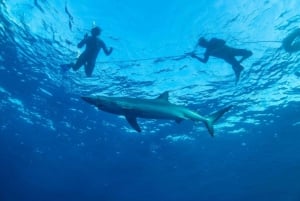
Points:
x=246, y=54
x=75, y=66
x=89, y=68
x=80, y=61
x=237, y=68
x=241, y=52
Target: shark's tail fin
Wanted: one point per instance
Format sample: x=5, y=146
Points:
x=212, y=118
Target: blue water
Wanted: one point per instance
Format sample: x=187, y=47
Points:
x=54, y=146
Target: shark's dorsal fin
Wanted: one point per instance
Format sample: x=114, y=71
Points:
x=132, y=121
x=164, y=96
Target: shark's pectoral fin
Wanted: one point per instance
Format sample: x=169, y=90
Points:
x=132, y=121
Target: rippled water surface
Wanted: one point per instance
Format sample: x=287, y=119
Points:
x=54, y=146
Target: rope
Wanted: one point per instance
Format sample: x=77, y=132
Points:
x=263, y=41
x=173, y=57
x=155, y=59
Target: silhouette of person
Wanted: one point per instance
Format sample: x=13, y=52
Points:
x=291, y=42
x=88, y=57
x=218, y=48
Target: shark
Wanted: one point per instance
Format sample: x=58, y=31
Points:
x=155, y=108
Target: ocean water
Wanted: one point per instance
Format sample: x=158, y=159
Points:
x=54, y=146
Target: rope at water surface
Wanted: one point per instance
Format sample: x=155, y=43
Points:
x=170, y=57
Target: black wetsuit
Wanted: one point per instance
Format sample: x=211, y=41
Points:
x=89, y=56
x=218, y=48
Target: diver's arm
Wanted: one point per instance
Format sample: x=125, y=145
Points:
x=106, y=51
x=203, y=60
x=83, y=41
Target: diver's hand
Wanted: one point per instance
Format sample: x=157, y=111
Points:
x=191, y=54
x=83, y=41
x=110, y=50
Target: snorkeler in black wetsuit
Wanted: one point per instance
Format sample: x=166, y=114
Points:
x=291, y=43
x=217, y=48
x=89, y=56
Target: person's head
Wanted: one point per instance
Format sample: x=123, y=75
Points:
x=202, y=42
x=95, y=31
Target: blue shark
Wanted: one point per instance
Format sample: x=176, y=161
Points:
x=157, y=108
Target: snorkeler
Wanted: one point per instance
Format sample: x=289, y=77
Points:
x=88, y=57
x=291, y=43
x=217, y=48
